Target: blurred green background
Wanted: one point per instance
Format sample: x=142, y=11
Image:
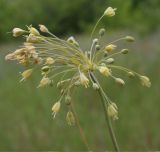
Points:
x=25, y=112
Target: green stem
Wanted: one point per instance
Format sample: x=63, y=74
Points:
x=109, y=124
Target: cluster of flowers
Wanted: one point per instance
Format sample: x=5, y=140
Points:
x=65, y=59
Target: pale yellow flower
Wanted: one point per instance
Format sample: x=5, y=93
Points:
x=34, y=31
x=45, y=81
x=104, y=71
x=25, y=74
x=110, y=47
x=110, y=11
x=145, y=81
x=56, y=108
x=17, y=32
x=112, y=111
x=50, y=60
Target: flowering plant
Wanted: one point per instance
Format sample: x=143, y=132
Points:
x=65, y=59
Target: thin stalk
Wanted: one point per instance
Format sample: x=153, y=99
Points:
x=109, y=124
x=80, y=129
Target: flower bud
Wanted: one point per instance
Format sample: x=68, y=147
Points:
x=110, y=60
x=71, y=40
x=17, y=32
x=110, y=11
x=45, y=68
x=124, y=51
x=97, y=47
x=45, y=81
x=56, y=108
x=102, y=31
x=70, y=118
x=49, y=60
x=129, y=38
x=119, y=81
x=131, y=74
x=112, y=111
x=43, y=28
x=25, y=74
x=95, y=86
x=104, y=71
x=110, y=47
x=145, y=81
x=68, y=99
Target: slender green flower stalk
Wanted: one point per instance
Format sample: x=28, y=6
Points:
x=65, y=60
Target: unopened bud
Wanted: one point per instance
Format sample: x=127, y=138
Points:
x=110, y=47
x=130, y=38
x=112, y=111
x=131, y=74
x=102, y=31
x=124, y=51
x=68, y=99
x=17, y=32
x=119, y=81
x=97, y=47
x=110, y=60
x=45, y=68
x=43, y=28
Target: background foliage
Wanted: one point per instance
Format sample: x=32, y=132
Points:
x=65, y=16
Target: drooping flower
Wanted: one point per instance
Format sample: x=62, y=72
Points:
x=26, y=74
x=112, y=111
x=110, y=12
x=56, y=108
x=145, y=81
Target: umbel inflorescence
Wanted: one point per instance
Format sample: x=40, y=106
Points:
x=65, y=60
